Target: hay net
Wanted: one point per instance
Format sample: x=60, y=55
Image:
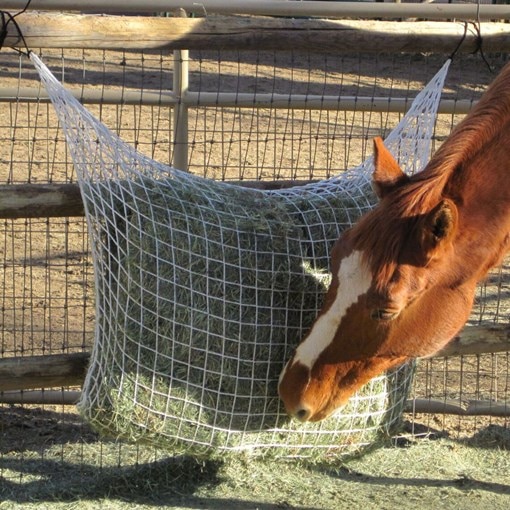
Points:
x=204, y=288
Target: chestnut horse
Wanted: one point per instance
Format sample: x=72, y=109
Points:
x=404, y=276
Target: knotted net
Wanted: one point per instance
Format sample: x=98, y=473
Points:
x=204, y=288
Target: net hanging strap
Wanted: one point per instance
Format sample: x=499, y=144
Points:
x=203, y=289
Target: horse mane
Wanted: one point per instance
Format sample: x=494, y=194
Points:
x=477, y=129
x=382, y=232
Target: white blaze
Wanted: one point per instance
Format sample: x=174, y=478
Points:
x=354, y=280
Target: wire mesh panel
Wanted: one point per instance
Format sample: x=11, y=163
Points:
x=320, y=116
x=47, y=291
x=473, y=389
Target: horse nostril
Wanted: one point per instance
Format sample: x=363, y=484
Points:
x=303, y=414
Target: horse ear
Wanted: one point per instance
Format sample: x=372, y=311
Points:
x=440, y=225
x=387, y=174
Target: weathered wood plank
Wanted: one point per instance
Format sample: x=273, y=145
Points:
x=40, y=201
x=321, y=8
x=63, y=200
x=27, y=372
x=478, y=340
x=59, y=30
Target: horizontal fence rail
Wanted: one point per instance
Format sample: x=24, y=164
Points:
x=469, y=408
x=415, y=406
x=280, y=8
x=18, y=374
x=63, y=200
x=29, y=372
x=43, y=30
x=239, y=100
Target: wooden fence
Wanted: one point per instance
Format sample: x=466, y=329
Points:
x=44, y=30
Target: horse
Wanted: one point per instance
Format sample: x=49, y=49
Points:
x=404, y=276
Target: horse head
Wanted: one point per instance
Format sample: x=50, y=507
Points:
x=393, y=296
x=404, y=276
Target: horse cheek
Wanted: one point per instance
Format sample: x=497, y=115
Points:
x=449, y=315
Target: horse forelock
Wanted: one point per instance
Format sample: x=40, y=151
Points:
x=382, y=234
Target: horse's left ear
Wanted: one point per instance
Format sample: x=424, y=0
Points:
x=387, y=174
x=440, y=225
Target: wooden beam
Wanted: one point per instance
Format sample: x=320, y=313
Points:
x=478, y=340
x=59, y=30
x=325, y=9
x=30, y=372
x=57, y=370
x=40, y=201
x=63, y=200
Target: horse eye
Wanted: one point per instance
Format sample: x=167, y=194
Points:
x=380, y=314
x=395, y=277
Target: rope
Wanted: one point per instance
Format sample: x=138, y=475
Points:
x=8, y=18
x=479, y=39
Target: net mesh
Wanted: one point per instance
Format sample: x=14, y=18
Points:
x=204, y=288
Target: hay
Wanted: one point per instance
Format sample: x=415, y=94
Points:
x=219, y=284
x=203, y=290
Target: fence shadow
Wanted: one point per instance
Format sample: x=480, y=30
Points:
x=171, y=482
x=491, y=437
x=26, y=429
x=264, y=72
x=55, y=481
x=463, y=483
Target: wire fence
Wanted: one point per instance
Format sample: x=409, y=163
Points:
x=47, y=296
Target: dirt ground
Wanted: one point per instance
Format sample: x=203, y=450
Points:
x=49, y=458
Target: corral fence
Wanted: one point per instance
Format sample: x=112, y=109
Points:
x=264, y=101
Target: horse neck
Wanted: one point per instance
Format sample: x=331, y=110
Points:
x=488, y=121
x=481, y=189
x=472, y=168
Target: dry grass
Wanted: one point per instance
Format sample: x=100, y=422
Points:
x=65, y=472
x=212, y=278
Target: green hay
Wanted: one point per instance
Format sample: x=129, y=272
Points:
x=207, y=290
x=192, y=331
